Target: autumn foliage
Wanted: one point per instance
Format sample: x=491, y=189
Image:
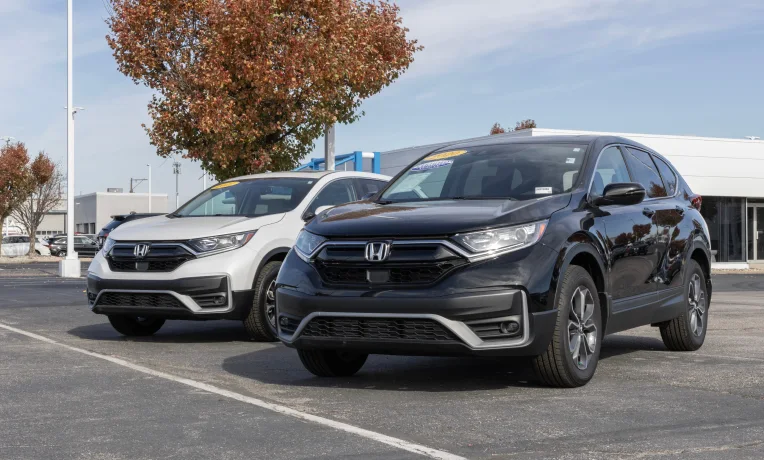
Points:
x=15, y=184
x=44, y=195
x=246, y=86
x=524, y=124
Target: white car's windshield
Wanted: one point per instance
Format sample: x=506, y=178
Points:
x=250, y=197
x=510, y=171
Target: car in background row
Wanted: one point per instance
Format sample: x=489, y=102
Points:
x=118, y=220
x=537, y=247
x=17, y=246
x=85, y=246
x=217, y=256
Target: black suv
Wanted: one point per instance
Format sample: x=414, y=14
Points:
x=117, y=221
x=527, y=247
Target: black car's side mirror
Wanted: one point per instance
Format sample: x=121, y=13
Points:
x=622, y=193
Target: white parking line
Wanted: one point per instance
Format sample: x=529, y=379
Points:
x=379, y=437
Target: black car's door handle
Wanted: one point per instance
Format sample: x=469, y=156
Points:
x=648, y=212
x=680, y=210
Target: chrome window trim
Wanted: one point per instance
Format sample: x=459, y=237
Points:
x=676, y=192
x=619, y=144
x=460, y=329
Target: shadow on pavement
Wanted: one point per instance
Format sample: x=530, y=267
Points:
x=282, y=366
x=615, y=345
x=171, y=332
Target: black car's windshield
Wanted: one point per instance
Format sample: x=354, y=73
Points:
x=250, y=197
x=508, y=171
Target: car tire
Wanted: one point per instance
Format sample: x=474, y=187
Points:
x=571, y=358
x=687, y=332
x=260, y=323
x=61, y=253
x=331, y=363
x=133, y=326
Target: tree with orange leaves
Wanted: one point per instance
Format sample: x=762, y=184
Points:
x=245, y=86
x=15, y=184
x=44, y=195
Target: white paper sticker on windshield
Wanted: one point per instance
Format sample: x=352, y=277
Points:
x=543, y=190
x=576, y=149
x=570, y=161
x=432, y=165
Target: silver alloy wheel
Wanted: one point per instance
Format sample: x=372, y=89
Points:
x=696, y=301
x=270, y=304
x=582, y=332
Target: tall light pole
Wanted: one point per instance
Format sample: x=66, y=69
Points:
x=149, y=187
x=176, y=171
x=70, y=266
x=329, y=148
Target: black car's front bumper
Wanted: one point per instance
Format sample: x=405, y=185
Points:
x=185, y=298
x=465, y=324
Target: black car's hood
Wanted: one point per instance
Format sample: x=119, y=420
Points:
x=430, y=218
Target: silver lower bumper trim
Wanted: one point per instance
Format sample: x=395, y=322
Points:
x=458, y=328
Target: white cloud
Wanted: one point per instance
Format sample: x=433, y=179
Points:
x=457, y=32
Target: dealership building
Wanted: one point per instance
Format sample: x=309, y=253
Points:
x=727, y=173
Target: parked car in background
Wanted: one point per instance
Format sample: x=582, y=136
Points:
x=41, y=246
x=84, y=245
x=119, y=220
x=217, y=256
x=17, y=246
x=535, y=247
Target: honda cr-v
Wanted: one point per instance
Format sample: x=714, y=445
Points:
x=527, y=247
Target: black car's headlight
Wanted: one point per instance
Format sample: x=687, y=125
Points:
x=214, y=244
x=107, y=245
x=307, y=243
x=505, y=239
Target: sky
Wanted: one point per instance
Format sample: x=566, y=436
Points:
x=686, y=67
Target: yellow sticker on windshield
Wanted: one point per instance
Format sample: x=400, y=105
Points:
x=444, y=155
x=224, y=185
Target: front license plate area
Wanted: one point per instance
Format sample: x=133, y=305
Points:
x=378, y=276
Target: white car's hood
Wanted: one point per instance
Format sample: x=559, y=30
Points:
x=163, y=228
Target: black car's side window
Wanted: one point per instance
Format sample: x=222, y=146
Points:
x=645, y=172
x=611, y=169
x=669, y=178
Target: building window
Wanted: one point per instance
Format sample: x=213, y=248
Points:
x=724, y=217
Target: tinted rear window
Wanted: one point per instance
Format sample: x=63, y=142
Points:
x=644, y=171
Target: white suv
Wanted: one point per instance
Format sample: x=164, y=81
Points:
x=217, y=256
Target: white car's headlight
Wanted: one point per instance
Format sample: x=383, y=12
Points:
x=215, y=244
x=107, y=245
x=502, y=239
x=307, y=243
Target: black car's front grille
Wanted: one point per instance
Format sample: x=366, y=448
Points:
x=401, y=274
x=407, y=264
x=161, y=257
x=420, y=330
x=131, y=299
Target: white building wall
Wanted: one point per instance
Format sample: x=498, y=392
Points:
x=711, y=166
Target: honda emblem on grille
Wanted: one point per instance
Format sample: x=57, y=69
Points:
x=140, y=250
x=377, y=251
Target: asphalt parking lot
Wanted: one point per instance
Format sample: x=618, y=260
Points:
x=71, y=387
